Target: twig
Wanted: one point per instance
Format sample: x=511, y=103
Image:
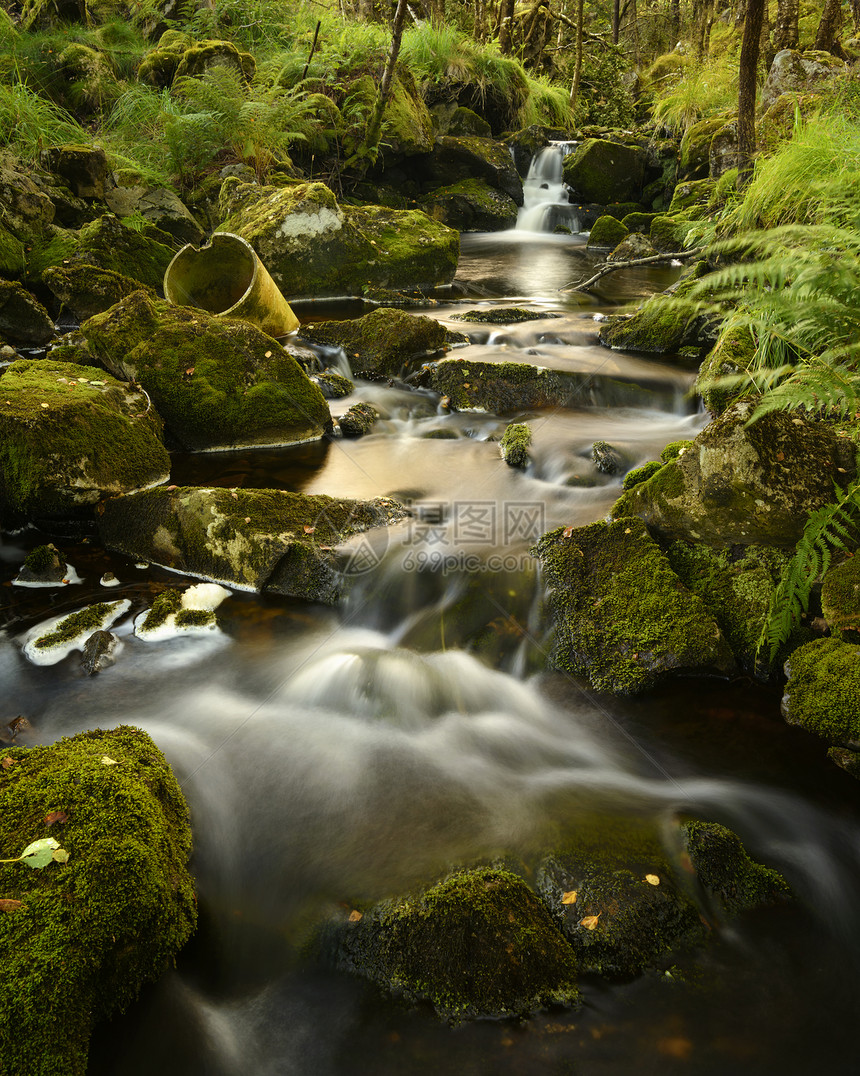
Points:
x=610, y=267
x=313, y=50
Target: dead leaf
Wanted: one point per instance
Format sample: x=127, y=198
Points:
x=354, y=916
x=247, y=519
x=44, y=405
x=590, y=921
x=268, y=355
x=676, y=1046
x=308, y=529
x=108, y=761
x=652, y=879
x=568, y=531
x=7, y=762
x=55, y=816
x=8, y=905
x=234, y=495
x=190, y=371
x=569, y=897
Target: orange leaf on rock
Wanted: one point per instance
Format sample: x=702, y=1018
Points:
x=308, y=529
x=56, y=816
x=590, y=921
x=354, y=916
x=8, y=905
x=652, y=879
x=569, y=897
x=7, y=762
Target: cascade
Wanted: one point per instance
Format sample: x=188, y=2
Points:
x=545, y=196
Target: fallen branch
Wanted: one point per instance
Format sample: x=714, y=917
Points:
x=631, y=263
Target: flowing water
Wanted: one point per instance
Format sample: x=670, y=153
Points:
x=335, y=755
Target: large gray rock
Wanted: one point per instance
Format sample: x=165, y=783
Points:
x=216, y=382
x=314, y=247
x=160, y=207
x=71, y=435
x=793, y=71
x=259, y=540
x=744, y=484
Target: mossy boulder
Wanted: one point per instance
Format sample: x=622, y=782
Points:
x=514, y=445
x=71, y=435
x=639, y=222
x=777, y=124
x=731, y=356
x=261, y=540
x=640, y=474
x=109, y=244
x=84, y=169
x=724, y=867
x=381, y=343
x=469, y=157
x=314, y=247
x=201, y=55
x=471, y=205
x=407, y=129
x=742, y=483
x=160, y=207
x=358, y=420
x=723, y=154
x=840, y=599
x=661, y=326
x=696, y=146
x=217, y=383
x=602, y=171
x=477, y=945
x=90, y=932
x=23, y=319
x=89, y=79
x=158, y=67
x=691, y=198
x=606, y=233
x=13, y=262
x=799, y=72
x=623, y=619
x=667, y=233
x=85, y=290
x=632, y=247
x=822, y=690
x=463, y=121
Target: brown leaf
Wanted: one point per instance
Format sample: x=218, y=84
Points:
x=780, y=455
x=308, y=529
x=569, y=897
x=55, y=816
x=568, y=531
x=354, y=916
x=590, y=921
x=7, y=762
x=190, y=371
x=8, y=905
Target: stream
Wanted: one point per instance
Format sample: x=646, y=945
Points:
x=336, y=755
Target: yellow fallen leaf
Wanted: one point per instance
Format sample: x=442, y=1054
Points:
x=590, y=921
x=108, y=761
x=354, y=916
x=569, y=897
x=652, y=879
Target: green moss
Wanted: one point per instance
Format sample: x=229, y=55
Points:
x=607, y=232
x=727, y=871
x=503, y=315
x=12, y=260
x=334, y=386
x=660, y=326
x=822, y=690
x=167, y=603
x=143, y=256
x=674, y=449
x=86, y=290
x=667, y=233
x=203, y=54
x=640, y=474
x=622, y=616
x=846, y=760
x=515, y=443
x=195, y=618
x=639, y=222
x=691, y=198
x=840, y=599
x=92, y=931
x=732, y=355
x=603, y=172
x=478, y=944
x=42, y=559
x=358, y=420
x=70, y=627
x=696, y=144
x=381, y=343
x=471, y=205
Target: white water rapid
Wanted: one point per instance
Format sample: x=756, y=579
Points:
x=546, y=205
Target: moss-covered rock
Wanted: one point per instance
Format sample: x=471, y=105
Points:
x=503, y=315
x=43, y=565
x=662, y=325
x=632, y=247
x=91, y=931
x=639, y=222
x=727, y=871
x=846, y=760
x=71, y=435
x=822, y=690
x=478, y=944
x=201, y=55
x=514, y=445
x=217, y=383
x=696, y=146
x=840, y=599
x=469, y=157
x=84, y=169
x=777, y=124
x=640, y=474
x=249, y=539
x=667, y=233
x=158, y=67
x=731, y=356
x=471, y=205
x=358, y=420
x=12, y=260
x=691, y=198
x=798, y=72
x=314, y=247
x=381, y=343
x=603, y=172
x=85, y=290
x=606, y=233
x=334, y=386
x=744, y=484
x=109, y=244
x=160, y=207
x=23, y=319
x=623, y=619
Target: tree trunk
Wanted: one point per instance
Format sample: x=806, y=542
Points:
x=506, y=26
x=577, y=70
x=480, y=20
x=374, y=131
x=616, y=20
x=787, y=34
x=747, y=83
x=826, y=40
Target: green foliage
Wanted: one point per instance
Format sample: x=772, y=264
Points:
x=40, y=853
x=697, y=92
x=835, y=526
x=30, y=123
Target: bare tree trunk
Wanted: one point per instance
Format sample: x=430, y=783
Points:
x=577, y=70
x=787, y=33
x=480, y=20
x=374, y=130
x=855, y=16
x=747, y=83
x=506, y=26
x=616, y=20
x=827, y=38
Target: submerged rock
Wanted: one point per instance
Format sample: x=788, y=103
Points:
x=477, y=945
x=89, y=932
x=503, y=315
x=381, y=343
x=744, y=483
x=266, y=540
x=182, y=612
x=334, y=386
x=48, y=644
x=217, y=383
x=606, y=458
x=71, y=435
x=99, y=652
x=623, y=619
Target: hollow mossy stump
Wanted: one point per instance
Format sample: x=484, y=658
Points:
x=823, y=690
x=89, y=932
x=724, y=867
x=265, y=539
x=742, y=483
x=216, y=382
x=381, y=343
x=623, y=619
x=477, y=945
x=71, y=435
x=313, y=247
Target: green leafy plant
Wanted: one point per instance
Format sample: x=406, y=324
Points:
x=40, y=853
x=698, y=91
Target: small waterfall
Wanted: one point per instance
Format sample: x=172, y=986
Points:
x=545, y=196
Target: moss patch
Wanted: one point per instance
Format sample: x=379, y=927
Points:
x=822, y=690
x=607, y=232
x=514, y=445
x=724, y=867
x=381, y=343
x=91, y=931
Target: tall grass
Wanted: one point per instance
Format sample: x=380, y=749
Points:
x=699, y=91
x=30, y=123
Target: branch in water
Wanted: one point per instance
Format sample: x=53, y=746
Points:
x=610, y=267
